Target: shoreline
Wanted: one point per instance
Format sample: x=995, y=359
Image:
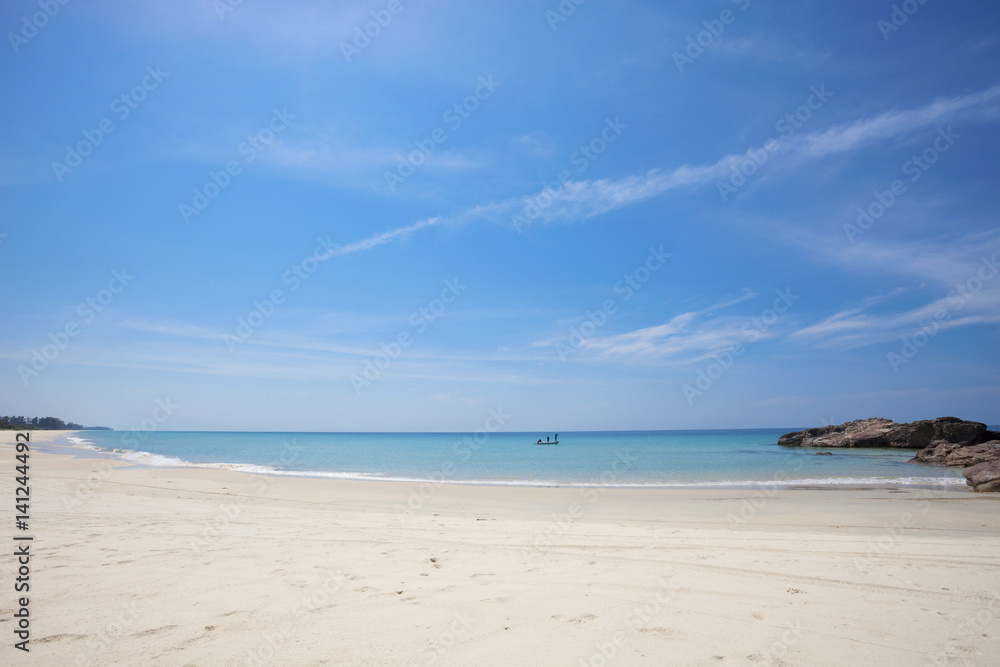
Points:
x=954, y=482
x=182, y=566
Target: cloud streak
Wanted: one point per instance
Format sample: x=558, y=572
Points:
x=582, y=200
x=961, y=274
x=687, y=337
x=379, y=239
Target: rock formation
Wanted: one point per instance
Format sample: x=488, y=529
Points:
x=984, y=476
x=944, y=441
x=951, y=454
x=878, y=432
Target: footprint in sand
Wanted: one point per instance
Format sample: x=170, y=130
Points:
x=666, y=632
x=54, y=638
x=153, y=631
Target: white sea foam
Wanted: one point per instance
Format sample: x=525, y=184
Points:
x=83, y=443
x=140, y=457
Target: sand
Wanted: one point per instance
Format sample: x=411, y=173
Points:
x=194, y=566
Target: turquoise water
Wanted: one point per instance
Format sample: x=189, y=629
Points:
x=618, y=458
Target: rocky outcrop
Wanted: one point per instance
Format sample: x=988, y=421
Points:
x=944, y=441
x=954, y=454
x=878, y=432
x=983, y=476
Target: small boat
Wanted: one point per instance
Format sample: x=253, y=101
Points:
x=547, y=441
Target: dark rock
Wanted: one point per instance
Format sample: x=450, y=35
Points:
x=878, y=432
x=945, y=441
x=953, y=454
x=936, y=452
x=860, y=433
x=983, y=476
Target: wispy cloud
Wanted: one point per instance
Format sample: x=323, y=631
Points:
x=380, y=239
x=169, y=328
x=581, y=200
x=861, y=133
x=965, y=290
x=687, y=337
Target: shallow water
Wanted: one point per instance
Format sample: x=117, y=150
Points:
x=618, y=458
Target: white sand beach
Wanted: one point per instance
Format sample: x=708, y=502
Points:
x=194, y=566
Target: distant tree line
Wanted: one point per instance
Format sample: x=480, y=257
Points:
x=13, y=423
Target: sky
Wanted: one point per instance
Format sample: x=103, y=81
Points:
x=401, y=216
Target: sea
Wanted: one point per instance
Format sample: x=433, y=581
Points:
x=732, y=458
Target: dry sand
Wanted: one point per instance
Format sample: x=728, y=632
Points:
x=192, y=566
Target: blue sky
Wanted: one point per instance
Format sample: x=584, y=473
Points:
x=643, y=216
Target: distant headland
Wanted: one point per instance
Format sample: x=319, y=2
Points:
x=44, y=424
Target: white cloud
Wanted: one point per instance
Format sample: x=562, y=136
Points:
x=686, y=337
x=961, y=277
x=581, y=200
x=861, y=133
